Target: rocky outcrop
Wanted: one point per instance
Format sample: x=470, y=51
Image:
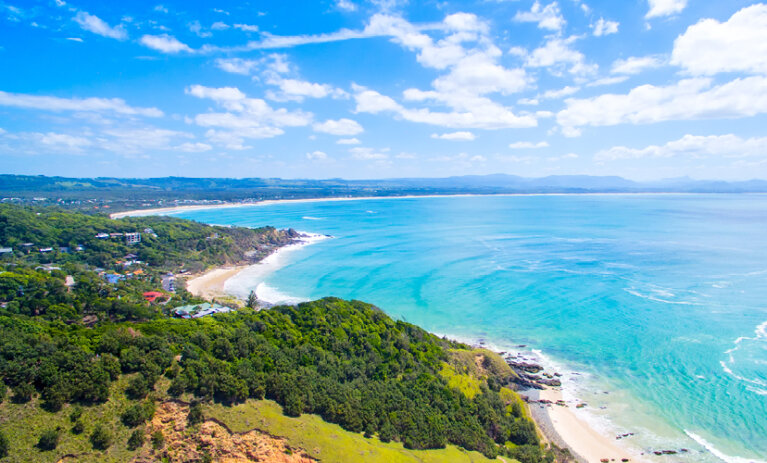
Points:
x=212, y=440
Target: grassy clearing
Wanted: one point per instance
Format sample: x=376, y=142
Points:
x=23, y=424
x=329, y=442
x=467, y=384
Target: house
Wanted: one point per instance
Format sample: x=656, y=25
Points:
x=151, y=232
x=199, y=310
x=46, y=250
x=69, y=281
x=115, y=235
x=113, y=278
x=150, y=296
x=79, y=248
x=130, y=257
x=102, y=236
x=132, y=238
x=4, y=251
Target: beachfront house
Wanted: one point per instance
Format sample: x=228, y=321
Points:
x=132, y=238
x=199, y=310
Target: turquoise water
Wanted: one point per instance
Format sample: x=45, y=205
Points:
x=656, y=304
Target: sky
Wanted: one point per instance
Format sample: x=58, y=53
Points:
x=643, y=89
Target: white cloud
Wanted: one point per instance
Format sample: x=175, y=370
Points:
x=342, y=127
x=558, y=53
x=607, y=81
x=237, y=65
x=605, y=27
x=64, y=141
x=52, y=103
x=246, y=27
x=665, y=7
x=454, y=136
x=219, y=26
x=164, y=43
x=346, y=5
x=737, y=45
x=548, y=17
x=368, y=154
x=370, y=101
x=96, y=25
x=75, y=39
x=161, y=9
x=562, y=92
x=687, y=100
x=635, y=64
x=194, y=147
x=297, y=90
x=692, y=146
x=348, y=141
x=528, y=145
x=317, y=156
x=196, y=28
x=244, y=117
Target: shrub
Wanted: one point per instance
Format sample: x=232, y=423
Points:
x=76, y=413
x=136, y=439
x=49, y=439
x=22, y=393
x=195, y=414
x=138, y=387
x=101, y=438
x=78, y=427
x=158, y=440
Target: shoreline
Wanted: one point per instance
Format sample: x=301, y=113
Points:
x=269, y=202
x=213, y=282
x=556, y=417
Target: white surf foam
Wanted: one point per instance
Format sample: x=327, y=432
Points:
x=718, y=453
x=253, y=277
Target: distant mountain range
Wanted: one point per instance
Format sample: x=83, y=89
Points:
x=26, y=186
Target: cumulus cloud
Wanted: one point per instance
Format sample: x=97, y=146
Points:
x=244, y=117
x=454, y=136
x=164, y=43
x=558, y=54
x=348, y=141
x=692, y=146
x=317, y=156
x=368, y=154
x=346, y=5
x=635, y=64
x=237, y=65
x=342, y=127
x=660, y=8
x=52, y=103
x=605, y=27
x=688, y=99
x=528, y=145
x=548, y=17
x=98, y=26
x=736, y=45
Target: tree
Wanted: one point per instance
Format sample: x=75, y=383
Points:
x=78, y=427
x=134, y=415
x=136, y=439
x=138, y=387
x=3, y=445
x=252, y=301
x=195, y=414
x=49, y=439
x=22, y=393
x=101, y=438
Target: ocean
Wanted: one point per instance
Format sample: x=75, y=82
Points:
x=653, y=307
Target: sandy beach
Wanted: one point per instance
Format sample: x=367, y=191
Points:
x=197, y=207
x=210, y=285
x=562, y=426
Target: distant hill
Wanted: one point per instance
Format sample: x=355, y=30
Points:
x=229, y=189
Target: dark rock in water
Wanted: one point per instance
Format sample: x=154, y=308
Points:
x=527, y=367
x=522, y=346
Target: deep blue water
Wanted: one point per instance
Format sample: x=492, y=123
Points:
x=643, y=295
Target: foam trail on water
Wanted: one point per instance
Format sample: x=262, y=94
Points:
x=718, y=453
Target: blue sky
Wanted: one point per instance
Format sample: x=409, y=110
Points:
x=645, y=89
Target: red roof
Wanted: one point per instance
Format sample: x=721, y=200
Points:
x=152, y=295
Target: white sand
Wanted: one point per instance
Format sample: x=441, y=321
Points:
x=210, y=284
x=578, y=435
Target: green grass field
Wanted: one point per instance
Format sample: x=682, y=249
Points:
x=327, y=442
